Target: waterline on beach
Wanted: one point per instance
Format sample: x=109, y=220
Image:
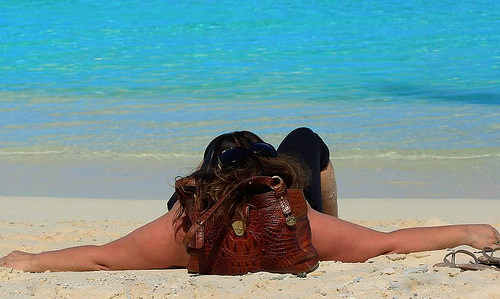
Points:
x=150, y=177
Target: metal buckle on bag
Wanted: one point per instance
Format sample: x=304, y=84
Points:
x=285, y=205
x=278, y=178
x=290, y=220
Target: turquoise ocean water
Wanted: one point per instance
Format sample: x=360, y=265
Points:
x=390, y=81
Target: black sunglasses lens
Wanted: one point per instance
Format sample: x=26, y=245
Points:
x=235, y=155
x=264, y=149
x=232, y=156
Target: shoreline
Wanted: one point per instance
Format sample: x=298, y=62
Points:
x=37, y=224
x=153, y=178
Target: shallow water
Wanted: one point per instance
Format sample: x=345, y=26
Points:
x=389, y=81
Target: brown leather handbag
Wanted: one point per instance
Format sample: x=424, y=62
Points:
x=273, y=235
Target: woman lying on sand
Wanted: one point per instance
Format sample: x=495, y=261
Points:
x=302, y=160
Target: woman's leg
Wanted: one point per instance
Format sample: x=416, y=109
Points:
x=307, y=146
x=329, y=191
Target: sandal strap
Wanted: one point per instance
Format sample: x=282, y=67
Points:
x=490, y=256
x=452, y=261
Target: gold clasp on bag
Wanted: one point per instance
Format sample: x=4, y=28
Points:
x=239, y=228
x=290, y=220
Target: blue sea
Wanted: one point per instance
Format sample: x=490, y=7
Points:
x=392, y=82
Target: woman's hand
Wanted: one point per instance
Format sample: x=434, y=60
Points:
x=483, y=235
x=18, y=260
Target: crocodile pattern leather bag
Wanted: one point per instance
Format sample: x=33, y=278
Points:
x=273, y=235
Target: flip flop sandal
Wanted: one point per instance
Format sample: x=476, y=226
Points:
x=489, y=259
x=449, y=261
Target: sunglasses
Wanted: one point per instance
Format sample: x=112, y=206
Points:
x=234, y=155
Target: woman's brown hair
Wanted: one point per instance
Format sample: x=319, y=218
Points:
x=213, y=180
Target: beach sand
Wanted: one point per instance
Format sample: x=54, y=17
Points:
x=37, y=224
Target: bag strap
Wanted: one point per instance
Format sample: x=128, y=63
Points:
x=279, y=190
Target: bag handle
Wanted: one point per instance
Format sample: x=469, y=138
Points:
x=279, y=189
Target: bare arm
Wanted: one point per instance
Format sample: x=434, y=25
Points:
x=154, y=245
x=440, y=237
x=340, y=240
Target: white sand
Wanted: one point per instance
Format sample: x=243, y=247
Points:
x=37, y=224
